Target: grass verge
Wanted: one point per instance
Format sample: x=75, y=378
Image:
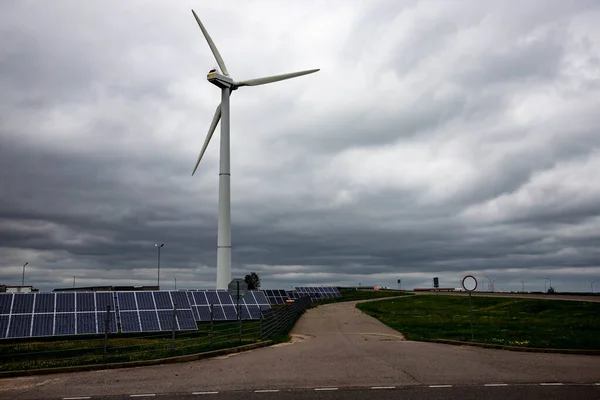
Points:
x=505, y=321
x=25, y=355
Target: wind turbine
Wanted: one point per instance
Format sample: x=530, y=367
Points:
x=227, y=85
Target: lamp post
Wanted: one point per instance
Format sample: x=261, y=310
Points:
x=523, y=286
x=23, y=277
x=158, y=278
x=73, y=282
x=175, y=283
x=592, y=283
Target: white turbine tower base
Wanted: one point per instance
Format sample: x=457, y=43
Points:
x=227, y=86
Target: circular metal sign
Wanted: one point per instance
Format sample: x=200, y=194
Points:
x=469, y=283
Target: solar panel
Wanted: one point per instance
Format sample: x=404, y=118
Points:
x=250, y=299
x=203, y=313
x=163, y=300
x=212, y=297
x=5, y=303
x=149, y=321
x=180, y=299
x=126, y=301
x=3, y=325
x=200, y=298
x=130, y=321
x=19, y=325
x=85, y=301
x=104, y=299
x=43, y=325
x=65, y=302
x=23, y=303
x=186, y=320
x=224, y=297
x=64, y=323
x=260, y=298
x=166, y=320
x=218, y=313
x=44, y=303
x=145, y=301
x=86, y=323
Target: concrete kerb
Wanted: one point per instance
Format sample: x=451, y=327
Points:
x=516, y=348
x=140, y=363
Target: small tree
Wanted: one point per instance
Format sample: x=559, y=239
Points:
x=551, y=290
x=253, y=281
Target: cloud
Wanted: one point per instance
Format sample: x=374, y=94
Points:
x=438, y=139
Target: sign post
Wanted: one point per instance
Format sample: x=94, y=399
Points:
x=469, y=283
x=436, y=282
x=238, y=289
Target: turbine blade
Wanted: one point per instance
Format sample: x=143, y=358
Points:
x=275, y=78
x=212, y=46
x=211, y=130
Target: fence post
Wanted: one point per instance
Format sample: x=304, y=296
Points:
x=211, y=326
x=173, y=326
x=239, y=313
x=106, y=328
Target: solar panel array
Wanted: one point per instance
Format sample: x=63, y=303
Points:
x=25, y=315
x=224, y=307
x=318, y=293
x=276, y=296
x=148, y=311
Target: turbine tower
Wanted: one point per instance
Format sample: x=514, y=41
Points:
x=227, y=85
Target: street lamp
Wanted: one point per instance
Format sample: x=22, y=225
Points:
x=158, y=279
x=175, y=283
x=592, y=283
x=23, y=278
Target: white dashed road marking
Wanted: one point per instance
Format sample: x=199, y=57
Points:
x=440, y=386
x=143, y=395
x=267, y=391
x=77, y=398
x=332, y=388
x=205, y=392
x=551, y=384
x=383, y=387
x=496, y=384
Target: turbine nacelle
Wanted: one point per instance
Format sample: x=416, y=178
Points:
x=219, y=80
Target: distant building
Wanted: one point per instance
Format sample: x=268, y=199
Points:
x=107, y=289
x=17, y=289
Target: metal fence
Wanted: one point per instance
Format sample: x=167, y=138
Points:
x=280, y=320
x=109, y=348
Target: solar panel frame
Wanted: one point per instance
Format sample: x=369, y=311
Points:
x=4, y=321
x=65, y=302
x=44, y=303
x=85, y=302
x=64, y=324
x=23, y=303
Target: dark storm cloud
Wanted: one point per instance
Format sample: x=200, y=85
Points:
x=439, y=138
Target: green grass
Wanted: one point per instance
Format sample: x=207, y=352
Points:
x=504, y=321
x=23, y=355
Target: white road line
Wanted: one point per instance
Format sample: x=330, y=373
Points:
x=439, y=386
x=597, y=384
x=496, y=384
x=205, y=392
x=267, y=391
x=383, y=387
x=77, y=398
x=551, y=384
x=143, y=395
x=331, y=388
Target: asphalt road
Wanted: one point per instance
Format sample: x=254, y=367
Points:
x=335, y=346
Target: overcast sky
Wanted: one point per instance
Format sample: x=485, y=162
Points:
x=440, y=138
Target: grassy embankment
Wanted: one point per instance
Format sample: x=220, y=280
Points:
x=505, y=321
x=352, y=295
x=79, y=350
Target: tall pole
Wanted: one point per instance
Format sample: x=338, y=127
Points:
x=175, y=283
x=73, y=282
x=592, y=283
x=158, y=262
x=547, y=279
x=224, y=228
x=23, y=277
x=490, y=284
x=523, y=286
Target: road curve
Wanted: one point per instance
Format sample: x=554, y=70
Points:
x=334, y=345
